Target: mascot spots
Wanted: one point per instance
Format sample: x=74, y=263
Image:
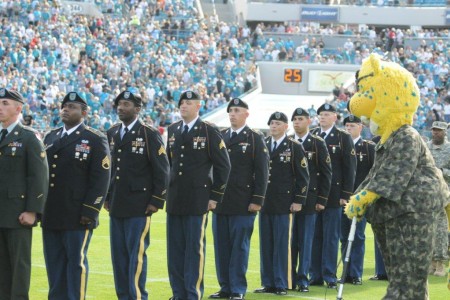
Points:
x=404, y=189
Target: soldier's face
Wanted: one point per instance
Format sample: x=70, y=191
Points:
x=189, y=109
x=278, y=128
x=72, y=113
x=438, y=136
x=354, y=129
x=327, y=119
x=9, y=111
x=127, y=111
x=301, y=124
x=238, y=116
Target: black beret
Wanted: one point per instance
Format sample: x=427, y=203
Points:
x=299, y=112
x=279, y=116
x=352, y=119
x=129, y=96
x=326, y=107
x=11, y=95
x=73, y=97
x=237, y=103
x=188, y=95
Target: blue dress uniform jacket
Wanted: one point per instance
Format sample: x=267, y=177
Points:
x=140, y=171
x=192, y=158
x=288, y=177
x=247, y=182
x=24, y=175
x=79, y=168
x=343, y=161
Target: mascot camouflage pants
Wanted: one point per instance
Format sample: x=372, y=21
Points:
x=405, y=243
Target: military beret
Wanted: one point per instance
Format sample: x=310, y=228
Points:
x=11, y=95
x=188, y=95
x=279, y=116
x=299, y=112
x=73, y=97
x=352, y=119
x=439, y=125
x=326, y=107
x=236, y=102
x=129, y=96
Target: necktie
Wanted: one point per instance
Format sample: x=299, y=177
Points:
x=233, y=135
x=3, y=134
x=300, y=140
x=124, y=132
x=185, y=130
x=274, y=146
x=323, y=134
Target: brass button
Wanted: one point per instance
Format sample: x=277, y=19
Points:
x=180, y=173
x=23, y=196
x=53, y=166
x=181, y=164
x=120, y=150
x=318, y=174
x=145, y=189
x=205, y=185
x=55, y=156
x=288, y=192
x=268, y=181
x=117, y=177
x=118, y=159
x=181, y=155
x=118, y=168
x=53, y=175
x=229, y=150
x=182, y=147
x=52, y=185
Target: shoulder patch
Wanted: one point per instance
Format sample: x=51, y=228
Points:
x=222, y=144
x=106, y=163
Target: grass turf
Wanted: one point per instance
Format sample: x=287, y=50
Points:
x=101, y=282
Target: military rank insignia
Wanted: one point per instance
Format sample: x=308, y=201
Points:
x=43, y=154
x=353, y=152
x=304, y=163
x=161, y=150
x=222, y=144
x=106, y=163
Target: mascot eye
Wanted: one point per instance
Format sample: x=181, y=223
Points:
x=360, y=78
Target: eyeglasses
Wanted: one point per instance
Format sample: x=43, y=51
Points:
x=358, y=79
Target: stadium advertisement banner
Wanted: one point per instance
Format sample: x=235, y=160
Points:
x=447, y=17
x=326, y=81
x=318, y=14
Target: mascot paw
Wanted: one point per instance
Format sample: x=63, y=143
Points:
x=356, y=207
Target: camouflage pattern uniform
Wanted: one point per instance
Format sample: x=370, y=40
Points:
x=441, y=154
x=410, y=189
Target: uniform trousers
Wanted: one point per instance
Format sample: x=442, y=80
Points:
x=275, y=236
x=130, y=238
x=65, y=253
x=15, y=263
x=232, y=234
x=186, y=255
x=356, y=262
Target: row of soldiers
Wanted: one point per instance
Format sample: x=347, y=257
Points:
x=297, y=183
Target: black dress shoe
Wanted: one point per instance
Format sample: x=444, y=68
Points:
x=280, y=292
x=331, y=285
x=315, y=282
x=303, y=289
x=220, y=295
x=236, y=296
x=174, y=298
x=357, y=281
x=267, y=290
x=379, y=277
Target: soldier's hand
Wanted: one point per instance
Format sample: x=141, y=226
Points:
x=86, y=221
x=106, y=205
x=343, y=202
x=27, y=218
x=319, y=207
x=295, y=207
x=254, y=207
x=150, y=209
x=212, y=205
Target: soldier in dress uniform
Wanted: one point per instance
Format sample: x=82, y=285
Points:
x=79, y=164
x=24, y=178
x=199, y=172
x=286, y=194
x=365, y=155
x=233, y=219
x=139, y=180
x=328, y=224
x=319, y=166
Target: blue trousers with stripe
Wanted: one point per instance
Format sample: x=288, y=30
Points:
x=232, y=236
x=275, y=234
x=65, y=253
x=356, y=262
x=325, y=245
x=186, y=255
x=130, y=238
x=302, y=240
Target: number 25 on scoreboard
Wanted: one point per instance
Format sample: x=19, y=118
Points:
x=293, y=75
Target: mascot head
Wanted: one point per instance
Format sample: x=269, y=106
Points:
x=386, y=96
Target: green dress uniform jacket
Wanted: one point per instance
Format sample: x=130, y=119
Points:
x=23, y=175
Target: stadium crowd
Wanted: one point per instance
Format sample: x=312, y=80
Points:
x=46, y=53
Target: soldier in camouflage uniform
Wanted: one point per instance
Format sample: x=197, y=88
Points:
x=440, y=149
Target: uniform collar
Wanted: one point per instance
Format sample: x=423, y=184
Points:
x=70, y=130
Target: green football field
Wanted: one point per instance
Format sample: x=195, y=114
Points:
x=101, y=283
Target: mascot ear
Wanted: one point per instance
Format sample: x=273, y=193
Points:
x=375, y=61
